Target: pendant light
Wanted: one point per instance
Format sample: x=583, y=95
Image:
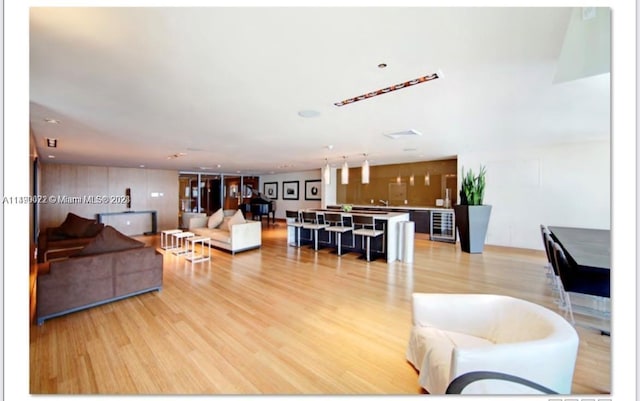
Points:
x=326, y=171
x=365, y=170
x=345, y=171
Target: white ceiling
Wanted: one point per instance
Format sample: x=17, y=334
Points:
x=132, y=86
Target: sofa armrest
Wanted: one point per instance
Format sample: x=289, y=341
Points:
x=474, y=313
x=246, y=235
x=198, y=222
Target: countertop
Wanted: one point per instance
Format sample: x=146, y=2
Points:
x=404, y=207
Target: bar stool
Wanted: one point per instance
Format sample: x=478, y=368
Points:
x=314, y=222
x=294, y=221
x=367, y=230
x=339, y=225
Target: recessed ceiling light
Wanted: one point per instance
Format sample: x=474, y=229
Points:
x=142, y=166
x=51, y=157
x=175, y=156
x=308, y=113
x=52, y=121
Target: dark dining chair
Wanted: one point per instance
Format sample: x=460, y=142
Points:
x=588, y=283
x=549, y=252
x=561, y=297
x=583, y=280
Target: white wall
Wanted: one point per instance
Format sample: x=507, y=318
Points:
x=564, y=185
x=283, y=205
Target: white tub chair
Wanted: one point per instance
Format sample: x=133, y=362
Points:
x=454, y=334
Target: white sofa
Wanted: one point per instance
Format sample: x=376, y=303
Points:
x=454, y=334
x=187, y=216
x=242, y=235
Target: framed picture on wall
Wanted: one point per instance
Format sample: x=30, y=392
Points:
x=290, y=190
x=312, y=190
x=270, y=189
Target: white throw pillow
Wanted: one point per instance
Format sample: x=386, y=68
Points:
x=237, y=218
x=215, y=219
x=225, y=223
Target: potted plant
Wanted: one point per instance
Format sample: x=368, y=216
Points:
x=472, y=216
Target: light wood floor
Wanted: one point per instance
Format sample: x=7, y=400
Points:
x=281, y=320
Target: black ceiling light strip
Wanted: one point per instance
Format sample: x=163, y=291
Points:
x=388, y=89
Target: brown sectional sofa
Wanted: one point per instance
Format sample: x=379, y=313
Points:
x=68, y=238
x=97, y=275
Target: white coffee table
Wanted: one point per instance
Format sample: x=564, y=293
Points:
x=168, y=240
x=181, y=244
x=193, y=256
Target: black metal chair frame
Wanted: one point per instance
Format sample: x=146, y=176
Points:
x=461, y=382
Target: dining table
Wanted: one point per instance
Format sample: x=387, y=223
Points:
x=586, y=248
x=589, y=251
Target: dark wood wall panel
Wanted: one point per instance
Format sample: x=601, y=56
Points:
x=384, y=184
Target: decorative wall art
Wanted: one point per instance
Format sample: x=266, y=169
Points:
x=290, y=190
x=312, y=189
x=270, y=190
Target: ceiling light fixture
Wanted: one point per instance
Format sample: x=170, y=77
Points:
x=425, y=78
x=345, y=171
x=365, y=170
x=52, y=142
x=52, y=121
x=326, y=172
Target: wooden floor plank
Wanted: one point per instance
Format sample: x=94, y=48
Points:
x=282, y=320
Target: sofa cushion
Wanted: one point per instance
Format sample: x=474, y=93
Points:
x=94, y=229
x=237, y=218
x=75, y=226
x=215, y=219
x=109, y=240
x=220, y=236
x=225, y=223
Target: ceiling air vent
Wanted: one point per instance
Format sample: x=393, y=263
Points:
x=403, y=134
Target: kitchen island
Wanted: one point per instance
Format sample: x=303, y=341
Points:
x=437, y=222
x=386, y=246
